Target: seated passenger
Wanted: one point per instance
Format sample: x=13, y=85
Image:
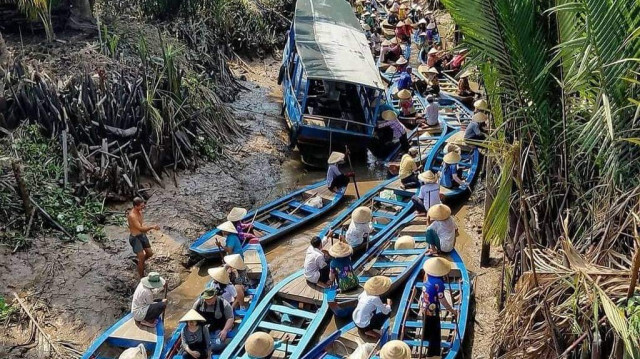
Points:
x=441, y=230
x=449, y=177
x=370, y=313
x=360, y=227
x=195, y=336
x=475, y=127
x=218, y=315
x=429, y=194
x=406, y=103
x=341, y=270
x=220, y=280
x=238, y=277
x=146, y=310
x=408, y=169
x=260, y=345
x=464, y=89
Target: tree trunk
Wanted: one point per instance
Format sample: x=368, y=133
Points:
x=82, y=15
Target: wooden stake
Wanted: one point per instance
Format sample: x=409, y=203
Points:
x=35, y=322
x=22, y=189
x=64, y=158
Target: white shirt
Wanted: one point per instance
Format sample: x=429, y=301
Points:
x=357, y=231
x=446, y=231
x=429, y=194
x=142, y=299
x=230, y=293
x=313, y=262
x=432, y=113
x=367, y=306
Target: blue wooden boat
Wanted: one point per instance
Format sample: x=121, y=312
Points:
x=386, y=212
x=257, y=271
x=284, y=319
x=469, y=163
x=382, y=259
x=125, y=334
x=331, y=90
x=344, y=342
x=408, y=324
x=277, y=218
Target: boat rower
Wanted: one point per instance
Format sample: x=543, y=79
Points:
x=235, y=216
x=218, y=315
x=399, y=131
x=232, y=244
x=464, y=89
x=146, y=310
x=450, y=177
x=429, y=194
x=335, y=178
x=441, y=230
x=370, y=313
x=237, y=270
x=474, y=130
x=408, y=172
x=431, y=299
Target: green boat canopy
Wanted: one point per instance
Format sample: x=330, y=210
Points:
x=332, y=45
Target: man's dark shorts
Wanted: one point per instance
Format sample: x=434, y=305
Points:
x=139, y=242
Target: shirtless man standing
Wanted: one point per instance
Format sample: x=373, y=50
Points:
x=138, y=234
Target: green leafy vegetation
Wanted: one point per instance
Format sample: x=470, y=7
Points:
x=6, y=310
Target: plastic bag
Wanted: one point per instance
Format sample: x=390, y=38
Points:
x=363, y=351
x=138, y=352
x=388, y=194
x=315, y=202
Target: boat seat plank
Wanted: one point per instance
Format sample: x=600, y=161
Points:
x=389, y=264
x=425, y=344
x=263, y=227
x=321, y=191
x=285, y=216
x=384, y=214
x=389, y=201
x=211, y=242
x=135, y=331
x=281, y=328
x=402, y=252
x=304, y=207
x=418, y=324
x=292, y=311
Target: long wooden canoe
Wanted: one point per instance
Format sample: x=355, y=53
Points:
x=277, y=218
x=127, y=333
x=344, y=342
x=382, y=259
x=292, y=324
x=469, y=162
x=407, y=325
x=257, y=271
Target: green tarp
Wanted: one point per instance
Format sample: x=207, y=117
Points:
x=332, y=45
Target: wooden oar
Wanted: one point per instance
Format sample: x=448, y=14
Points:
x=355, y=184
x=424, y=319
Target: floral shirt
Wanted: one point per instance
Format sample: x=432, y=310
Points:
x=432, y=292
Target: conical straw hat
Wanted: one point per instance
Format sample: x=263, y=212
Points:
x=465, y=74
x=363, y=351
x=395, y=349
x=361, y=215
x=431, y=26
x=405, y=242
x=422, y=21
x=404, y=94
x=366, y=27
x=259, y=345
x=335, y=157
x=386, y=43
x=389, y=115
x=451, y=158
x=439, y=212
x=437, y=267
x=391, y=70
x=377, y=285
x=479, y=117
x=235, y=261
x=401, y=61
x=400, y=24
x=340, y=250
x=452, y=147
x=428, y=177
x=481, y=105
x=192, y=315
x=236, y=214
x=408, y=22
x=433, y=70
x=219, y=274
x=228, y=227
x=433, y=49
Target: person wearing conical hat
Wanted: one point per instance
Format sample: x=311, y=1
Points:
x=421, y=28
x=235, y=216
x=429, y=194
x=406, y=103
x=392, y=17
x=441, y=229
x=395, y=349
x=340, y=266
x=431, y=299
x=194, y=336
x=481, y=106
x=402, y=12
x=401, y=64
x=237, y=270
x=220, y=279
x=405, y=81
x=474, y=130
x=260, y=345
x=449, y=176
x=359, y=8
x=145, y=309
x=370, y=313
x=316, y=269
x=464, y=89
x=404, y=242
x=408, y=171
x=232, y=243
x=138, y=233
x=218, y=316
x=336, y=180
x=391, y=120
x=360, y=227
x=458, y=59
x=434, y=57
x=432, y=111
x=375, y=41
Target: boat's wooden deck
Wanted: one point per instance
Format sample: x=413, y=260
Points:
x=211, y=242
x=254, y=266
x=135, y=331
x=350, y=340
x=301, y=290
x=321, y=191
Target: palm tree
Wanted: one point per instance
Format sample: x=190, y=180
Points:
x=561, y=77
